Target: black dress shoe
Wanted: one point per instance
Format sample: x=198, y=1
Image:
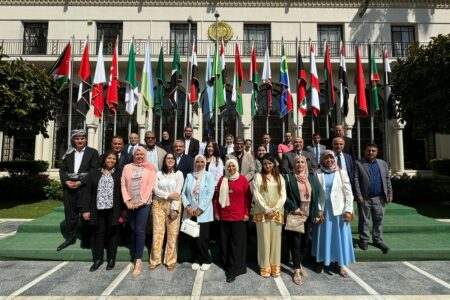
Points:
x=111, y=264
x=382, y=246
x=96, y=265
x=231, y=278
x=65, y=244
x=363, y=245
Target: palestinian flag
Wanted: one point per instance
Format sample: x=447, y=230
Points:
x=61, y=70
x=374, y=78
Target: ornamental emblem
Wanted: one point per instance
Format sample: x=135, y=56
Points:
x=224, y=31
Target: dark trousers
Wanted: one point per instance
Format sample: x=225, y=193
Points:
x=299, y=245
x=72, y=210
x=105, y=234
x=138, y=221
x=199, y=245
x=233, y=238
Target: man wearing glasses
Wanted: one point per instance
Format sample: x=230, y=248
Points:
x=155, y=154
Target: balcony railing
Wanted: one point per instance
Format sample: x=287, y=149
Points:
x=14, y=48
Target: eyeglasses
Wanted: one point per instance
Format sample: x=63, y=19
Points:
x=150, y=138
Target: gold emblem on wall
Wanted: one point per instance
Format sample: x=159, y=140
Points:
x=224, y=31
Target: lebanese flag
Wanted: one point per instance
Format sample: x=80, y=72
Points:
x=83, y=100
x=112, y=96
x=360, y=85
x=301, y=84
x=99, y=78
x=314, y=82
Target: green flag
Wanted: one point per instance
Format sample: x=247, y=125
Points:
x=160, y=84
x=374, y=78
x=175, y=78
x=131, y=93
x=219, y=75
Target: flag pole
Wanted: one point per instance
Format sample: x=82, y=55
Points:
x=312, y=111
x=186, y=101
x=386, y=99
x=90, y=92
x=358, y=127
x=69, y=125
x=161, y=104
x=238, y=117
x=297, y=113
x=372, y=137
x=146, y=112
x=216, y=118
x=341, y=95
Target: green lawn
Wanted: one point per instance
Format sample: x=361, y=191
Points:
x=28, y=210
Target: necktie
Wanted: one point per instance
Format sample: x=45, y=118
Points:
x=317, y=153
x=339, y=162
x=131, y=149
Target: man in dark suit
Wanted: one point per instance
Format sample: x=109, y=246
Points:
x=316, y=148
x=77, y=163
x=343, y=160
x=185, y=163
x=288, y=159
x=192, y=145
x=373, y=189
x=118, y=146
x=339, y=132
x=270, y=148
x=133, y=143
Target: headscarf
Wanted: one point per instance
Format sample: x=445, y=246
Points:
x=224, y=195
x=145, y=163
x=74, y=133
x=198, y=175
x=333, y=167
x=302, y=179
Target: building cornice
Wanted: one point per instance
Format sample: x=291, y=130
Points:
x=238, y=3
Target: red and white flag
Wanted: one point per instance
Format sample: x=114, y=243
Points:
x=314, y=82
x=99, y=79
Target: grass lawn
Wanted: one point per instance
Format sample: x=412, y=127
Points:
x=28, y=210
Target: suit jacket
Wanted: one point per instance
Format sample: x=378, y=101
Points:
x=186, y=165
x=312, y=149
x=205, y=203
x=160, y=152
x=125, y=148
x=273, y=150
x=89, y=198
x=348, y=147
x=341, y=193
x=248, y=165
x=349, y=165
x=194, y=147
x=288, y=162
x=362, y=178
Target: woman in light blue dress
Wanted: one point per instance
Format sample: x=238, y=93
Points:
x=332, y=236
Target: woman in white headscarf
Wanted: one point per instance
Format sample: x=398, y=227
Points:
x=232, y=207
x=197, y=195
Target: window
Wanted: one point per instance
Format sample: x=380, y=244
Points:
x=402, y=37
x=258, y=34
x=333, y=35
x=109, y=31
x=179, y=33
x=35, y=38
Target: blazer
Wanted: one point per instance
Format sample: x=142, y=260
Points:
x=186, y=165
x=312, y=149
x=348, y=147
x=194, y=146
x=89, y=162
x=248, y=165
x=89, y=196
x=273, y=150
x=288, y=162
x=148, y=181
x=293, y=195
x=125, y=148
x=160, y=152
x=207, y=188
x=341, y=192
x=350, y=166
x=362, y=178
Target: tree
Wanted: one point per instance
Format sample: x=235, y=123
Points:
x=28, y=98
x=421, y=83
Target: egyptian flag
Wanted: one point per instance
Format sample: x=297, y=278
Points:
x=83, y=100
x=301, y=84
x=194, y=90
x=61, y=70
x=344, y=94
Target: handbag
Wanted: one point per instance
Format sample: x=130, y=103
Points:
x=190, y=227
x=295, y=223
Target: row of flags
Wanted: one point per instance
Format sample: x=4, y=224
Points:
x=215, y=81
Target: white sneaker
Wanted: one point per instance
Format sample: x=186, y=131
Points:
x=195, y=266
x=205, y=267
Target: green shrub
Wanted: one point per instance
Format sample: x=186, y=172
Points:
x=419, y=189
x=23, y=188
x=53, y=190
x=24, y=167
x=440, y=166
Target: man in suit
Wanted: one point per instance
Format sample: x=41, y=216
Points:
x=339, y=132
x=185, y=163
x=316, y=148
x=343, y=160
x=288, y=159
x=270, y=148
x=118, y=146
x=77, y=162
x=155, y=154
x=134, y=142
x=373, y=189
x=191, y=145
x=245, y=160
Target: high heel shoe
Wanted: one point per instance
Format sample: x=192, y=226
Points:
x=296, y=278
x=137, y=268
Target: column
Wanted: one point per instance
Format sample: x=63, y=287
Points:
x=38, y=147
x=397, y=157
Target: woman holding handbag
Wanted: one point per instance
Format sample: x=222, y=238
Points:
x=332, y=236
x=197, y=195
x=301, y=194
x=232, y=208
x=166, y=212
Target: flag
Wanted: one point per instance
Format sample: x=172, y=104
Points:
x=219, y=75
x=160, y=84
x=314, y=82
x=61, y=70
x=391, y=105
x=360, y=85
x=238, y=77
x=267, y=79
x=175, y=78
x=328, y=77
x=344, y=94
x=83, y=100
x=374, y=78
x=286, y=96
x=99, y=79
x=147, y=82
x=301, y=84
x=194, y=90
x=208, y=105
x=112, y=96
x=131, y=88
x=253, y=77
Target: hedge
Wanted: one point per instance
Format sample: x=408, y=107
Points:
x=440, y=166
x=419, y=189
x=24, y=167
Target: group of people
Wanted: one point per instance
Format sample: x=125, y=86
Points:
x=164, y=183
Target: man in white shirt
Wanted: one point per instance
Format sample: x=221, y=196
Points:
x=155, y=154
x=191, y=145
